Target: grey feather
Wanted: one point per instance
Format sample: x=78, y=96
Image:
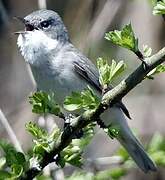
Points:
x=59, y=67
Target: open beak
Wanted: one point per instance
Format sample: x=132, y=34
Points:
x=19, y=32
x=28, y=27
x=22, y=20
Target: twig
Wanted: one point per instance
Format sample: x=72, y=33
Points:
x=3, y=15
x=106, y=160
x=140, y=55
x=10, y=132
x=42, y=4
x=109, y=99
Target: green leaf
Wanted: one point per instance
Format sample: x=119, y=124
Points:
x=147, y=51
x=90, y=101
x=73, y=102
x=123, y=153
x=72, y=154
x=4, y=175
x=44, y=103
x=104, y=72
x=86, y=100
x=159, y=157
x=44, y=142
x=40, y=148
x=114, y=174
x=74, y=159
x=159, y=9
x=117, y=173
x=20, y=158
x=6, y=146
x=157, y=143
x=159, y=69
x=116, y=69
x=124, y=38
x=112, y=131
x=43, y=177
x=11, y=155
x=2, y=162
x=17, y=171
x=36, y=131
x=107, y=73
x=61, y=161
x=80, y=176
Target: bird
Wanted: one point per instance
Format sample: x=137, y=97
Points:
x=58, y=66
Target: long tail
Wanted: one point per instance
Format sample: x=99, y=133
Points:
x=128, y=140
x=137, y=152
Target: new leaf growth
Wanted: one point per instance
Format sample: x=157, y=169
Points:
x=124, y=38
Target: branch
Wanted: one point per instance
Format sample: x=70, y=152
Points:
x=109, y=99
x=10, y=132
x=42, y=4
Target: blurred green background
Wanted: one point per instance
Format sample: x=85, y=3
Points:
x=87, y=21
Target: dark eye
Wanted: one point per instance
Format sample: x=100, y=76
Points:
x=45, y=24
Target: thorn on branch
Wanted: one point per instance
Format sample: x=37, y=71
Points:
x=140, y=55
x=141, y=58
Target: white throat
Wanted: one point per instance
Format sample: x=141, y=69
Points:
x=35, y=46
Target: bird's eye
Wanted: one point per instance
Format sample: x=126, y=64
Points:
x=45, y=24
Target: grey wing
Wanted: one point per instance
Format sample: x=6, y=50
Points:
x=87, y=70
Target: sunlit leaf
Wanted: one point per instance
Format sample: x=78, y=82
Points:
x=124, y=38
x=36, y=131
x=12, y=156
x=2, y=162
x=147, y=51
x=16, y=171
x=107, y=73
x=159, y=69
x=44, y=103
x=86, y=100
x=72, y=154
x=114, y=174
x=157, y=143
x=159, y=8
x=73, y=102
x=5, y=175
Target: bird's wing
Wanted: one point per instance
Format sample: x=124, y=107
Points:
x=87, y=70
x=86, y=73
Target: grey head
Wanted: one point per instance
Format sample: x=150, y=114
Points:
x=44, y=33
x=48, y=22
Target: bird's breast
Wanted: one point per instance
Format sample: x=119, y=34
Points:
x=35, y=46
x=62, y=81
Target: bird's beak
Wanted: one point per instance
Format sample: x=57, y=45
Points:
x=28, y=27
x=22, y=20
x=19, y=32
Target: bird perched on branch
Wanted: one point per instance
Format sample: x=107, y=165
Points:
x=59, y=67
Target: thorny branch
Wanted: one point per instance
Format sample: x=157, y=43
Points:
x=108, y=99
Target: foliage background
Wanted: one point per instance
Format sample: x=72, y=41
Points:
x=87, y=22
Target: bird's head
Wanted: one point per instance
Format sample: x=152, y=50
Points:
x=44, y=29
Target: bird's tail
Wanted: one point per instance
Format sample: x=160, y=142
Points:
x=138, y=154
x=129, y=141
